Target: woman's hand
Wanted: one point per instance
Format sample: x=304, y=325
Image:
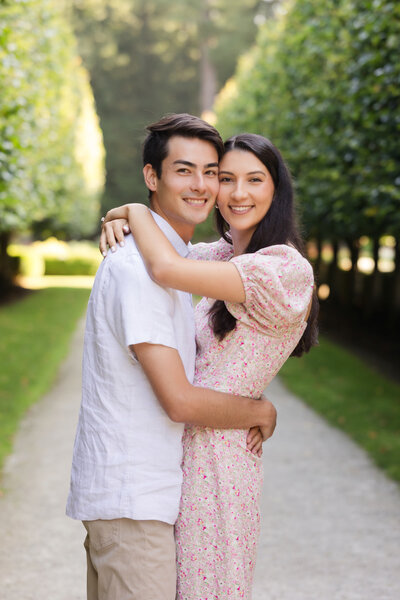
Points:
x=116, y=223
x=111, y=233
x=255, y=440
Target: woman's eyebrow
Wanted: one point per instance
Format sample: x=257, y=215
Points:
x=249, y=173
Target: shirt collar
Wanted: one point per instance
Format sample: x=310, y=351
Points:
x=170, y=233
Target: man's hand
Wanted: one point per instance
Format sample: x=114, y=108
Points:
x=255, y=440
x=268, y=429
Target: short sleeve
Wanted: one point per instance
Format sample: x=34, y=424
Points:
x=219, y=250
x=137, y=309
x=278, y=284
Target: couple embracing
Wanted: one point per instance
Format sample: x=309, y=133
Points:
x=167, y=470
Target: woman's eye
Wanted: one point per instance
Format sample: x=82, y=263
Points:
x=255, y=179
x=224, y=179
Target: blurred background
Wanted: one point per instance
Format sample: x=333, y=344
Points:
x=79, y=81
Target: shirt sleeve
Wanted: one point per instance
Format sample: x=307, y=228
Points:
x=278, y=284
x=219, y=250
x=138, y=310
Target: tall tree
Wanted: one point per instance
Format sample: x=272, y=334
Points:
x=149, y=57
x=323, y=82
x=50, y=142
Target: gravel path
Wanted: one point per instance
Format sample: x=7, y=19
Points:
x=331, y=520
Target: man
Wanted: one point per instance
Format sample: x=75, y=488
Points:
x=126, y=477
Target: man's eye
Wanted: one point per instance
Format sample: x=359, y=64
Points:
x=212, y=173
x=183, y=170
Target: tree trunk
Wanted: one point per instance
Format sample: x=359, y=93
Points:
x=6, y=271
x=394, y=316
x=208, y=75
x=354, y=252
x=317, y=266
x=208, y=81
x=371, y=295
x=332, y=270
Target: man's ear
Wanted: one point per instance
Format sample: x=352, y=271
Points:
x=150, y=177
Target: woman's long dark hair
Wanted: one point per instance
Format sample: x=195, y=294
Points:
x=278, y=226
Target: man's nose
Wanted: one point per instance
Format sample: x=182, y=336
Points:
x=198, y=183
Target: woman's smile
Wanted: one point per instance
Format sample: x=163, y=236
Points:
x=240, y=210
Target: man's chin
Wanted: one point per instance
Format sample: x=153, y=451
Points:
x=198, y=215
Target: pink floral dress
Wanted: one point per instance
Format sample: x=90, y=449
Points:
x=218, y=524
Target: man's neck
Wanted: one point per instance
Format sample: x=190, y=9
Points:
x=184, y=230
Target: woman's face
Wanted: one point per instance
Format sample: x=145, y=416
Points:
x=245, y=192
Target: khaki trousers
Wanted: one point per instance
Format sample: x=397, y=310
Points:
x=130, y=560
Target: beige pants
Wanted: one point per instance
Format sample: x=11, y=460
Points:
x=130, y=560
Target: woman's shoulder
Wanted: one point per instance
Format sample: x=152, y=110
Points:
x=281, y=258
x=219, y=250
x=278, y=283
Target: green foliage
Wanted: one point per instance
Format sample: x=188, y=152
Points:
x=70, y=266
x=50, y=142
x=351, y=396
x=323, y=82
x=144, y=57
x=38, y=329
x=54, y=257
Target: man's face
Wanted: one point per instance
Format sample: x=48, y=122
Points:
x=185, y=193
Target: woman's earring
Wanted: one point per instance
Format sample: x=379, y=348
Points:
x=216, y=207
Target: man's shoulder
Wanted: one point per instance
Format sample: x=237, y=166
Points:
x=125, y=273
x=125, y=259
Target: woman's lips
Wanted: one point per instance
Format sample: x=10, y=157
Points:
x=240, y=210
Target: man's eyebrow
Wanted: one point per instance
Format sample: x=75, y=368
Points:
x=190, y=164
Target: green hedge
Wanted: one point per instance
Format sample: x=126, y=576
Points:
x=70, y=266
x=54, y=257
x=323, y=82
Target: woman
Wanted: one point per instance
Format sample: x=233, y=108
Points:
x=265, y=311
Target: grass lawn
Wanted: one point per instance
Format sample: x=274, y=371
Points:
x=34, y=338
x=351, y=396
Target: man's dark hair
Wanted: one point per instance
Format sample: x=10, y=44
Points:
x=155, y=147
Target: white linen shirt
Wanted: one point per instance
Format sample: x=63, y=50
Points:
x=127, y=453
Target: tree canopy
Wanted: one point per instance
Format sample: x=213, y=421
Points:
x=150, y=57
x=323, y=82
x=51, y=151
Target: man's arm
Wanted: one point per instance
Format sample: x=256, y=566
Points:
x=186, y=403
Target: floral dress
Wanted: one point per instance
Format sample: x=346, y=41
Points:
x=219, y=520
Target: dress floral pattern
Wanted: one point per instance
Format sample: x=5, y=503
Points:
x=219, y=520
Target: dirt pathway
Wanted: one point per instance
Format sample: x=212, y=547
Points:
x=331, y=520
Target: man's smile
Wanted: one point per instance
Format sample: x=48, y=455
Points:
x=196, y=201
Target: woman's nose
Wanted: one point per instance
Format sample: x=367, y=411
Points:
x=239, y=192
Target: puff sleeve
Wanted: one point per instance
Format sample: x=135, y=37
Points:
x=278, y=283
x=219, y=250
